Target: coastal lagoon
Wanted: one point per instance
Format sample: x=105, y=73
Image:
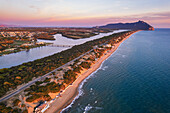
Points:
x=40, y=52
x=134, y=79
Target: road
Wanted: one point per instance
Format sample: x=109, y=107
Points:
x=37, y=79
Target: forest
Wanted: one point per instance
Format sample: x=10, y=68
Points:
x=12, y=77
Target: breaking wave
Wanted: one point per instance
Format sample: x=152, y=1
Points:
x=80, y=88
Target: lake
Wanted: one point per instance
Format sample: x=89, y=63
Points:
x=15, y=59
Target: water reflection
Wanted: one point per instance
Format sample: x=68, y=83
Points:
x=40, y=52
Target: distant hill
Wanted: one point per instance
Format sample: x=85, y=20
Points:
x=140, y=25
x=4, y=25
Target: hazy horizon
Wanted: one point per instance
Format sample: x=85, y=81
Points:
x=76, y=13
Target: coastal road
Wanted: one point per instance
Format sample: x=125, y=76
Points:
x=37, y=79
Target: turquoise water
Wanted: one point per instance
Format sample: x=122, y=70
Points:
x=135, y=79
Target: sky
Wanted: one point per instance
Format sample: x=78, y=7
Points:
x=84, y=13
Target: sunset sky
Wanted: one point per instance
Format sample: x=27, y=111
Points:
x=84, y=13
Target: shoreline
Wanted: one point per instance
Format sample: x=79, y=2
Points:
x=71, y=92
x=12, y=52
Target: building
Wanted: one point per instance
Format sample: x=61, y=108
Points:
x=42, y=108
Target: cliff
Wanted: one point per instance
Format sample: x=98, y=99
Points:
x=140, y=25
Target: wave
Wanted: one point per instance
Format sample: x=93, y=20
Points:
x=123, y=56
x=80, y=88
x=98, y=108
x=105, y=67
x=87, y=108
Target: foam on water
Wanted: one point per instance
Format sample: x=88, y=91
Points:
x=98, y=108
x=105, y=67
x=80, y=88
x=91, y=90
x=137, y=83
x=87, y=108
x=123, y=56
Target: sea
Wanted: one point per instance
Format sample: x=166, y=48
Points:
x=134, y=79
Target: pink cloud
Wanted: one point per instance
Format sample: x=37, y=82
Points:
x=155, y=19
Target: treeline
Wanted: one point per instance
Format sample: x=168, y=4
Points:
x=10, y=78
x=37, y=91
x=77, y=35
x=45, y=36
x=4, y=109
x=69, y=76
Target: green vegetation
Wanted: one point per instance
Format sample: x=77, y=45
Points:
x=69, y=76
x=16, y=102
x=77, y=69
x=37, y=91
x=25, y=111
x=78, y=35
x=45, y=36
x=39, y=67
x=91, y=59
x=23, y=105
x=4, y=109
x=85, y=65
x=47, y=80
x=15, y=44
x=38, y=82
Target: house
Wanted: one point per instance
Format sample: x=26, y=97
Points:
x=42, y=108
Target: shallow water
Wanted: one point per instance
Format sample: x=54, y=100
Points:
x=134, y=79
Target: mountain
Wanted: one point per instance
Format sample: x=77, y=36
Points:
x=140, y=25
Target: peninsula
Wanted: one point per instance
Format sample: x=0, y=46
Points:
x=71, y=91
x=50, y=48
x=50, y=83
x=140, y=25
x=45, y=79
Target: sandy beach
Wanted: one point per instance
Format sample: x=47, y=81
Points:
x=68, y=95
